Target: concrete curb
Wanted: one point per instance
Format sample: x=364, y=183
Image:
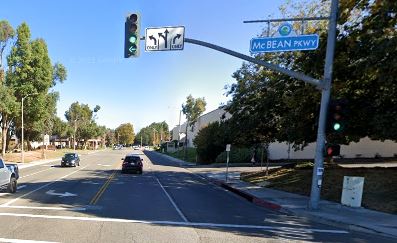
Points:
x=251, y=198
x=279, y=208
x=37, y=162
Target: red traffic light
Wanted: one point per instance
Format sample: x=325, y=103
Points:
x=332, y=150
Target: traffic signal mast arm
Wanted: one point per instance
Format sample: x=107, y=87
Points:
x=323, y=85
x=274, y=67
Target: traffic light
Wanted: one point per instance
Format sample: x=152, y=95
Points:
x=132, y=38
x=332, y=150
x=337, y=112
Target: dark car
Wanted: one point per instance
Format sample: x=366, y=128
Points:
x=132, y=163
x=70, y=159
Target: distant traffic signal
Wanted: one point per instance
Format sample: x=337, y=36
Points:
x=337, y=114
x=132, y=38
x=332, y=150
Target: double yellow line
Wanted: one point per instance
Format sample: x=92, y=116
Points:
x=95, y=199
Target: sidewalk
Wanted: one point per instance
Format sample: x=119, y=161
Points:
x=357, y=219
x=45, y=161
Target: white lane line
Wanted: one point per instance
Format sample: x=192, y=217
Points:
x=21, y=186
x=104, y=165
x=43, y=186
x=211, y=225
x=47, y=208
x=172, y=202
x=24, y=241
x=35, y=173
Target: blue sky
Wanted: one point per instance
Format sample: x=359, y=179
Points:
x=88, y=38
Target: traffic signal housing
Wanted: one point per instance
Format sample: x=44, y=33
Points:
x=337, y=114
x=132, y=38
x=332, y=150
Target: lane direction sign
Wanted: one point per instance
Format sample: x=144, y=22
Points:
x=165, y=38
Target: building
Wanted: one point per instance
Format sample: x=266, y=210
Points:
x=365, y=148
x=203, y=121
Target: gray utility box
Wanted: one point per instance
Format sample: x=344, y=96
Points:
x=352, y=192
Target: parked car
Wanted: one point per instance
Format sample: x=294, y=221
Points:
x=9, y=175
x=117, y=147
x=132, y=163
x=70, y=159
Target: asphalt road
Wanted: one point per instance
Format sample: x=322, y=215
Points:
x=96, y=203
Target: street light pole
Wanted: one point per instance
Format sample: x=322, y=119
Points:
x=22, y=154
x=74, y=137
x=179, y=127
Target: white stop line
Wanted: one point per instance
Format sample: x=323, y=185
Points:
x=178, y=223
x=24, y=241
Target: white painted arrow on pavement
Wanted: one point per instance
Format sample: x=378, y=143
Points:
x=91, y=182
x=65, y=194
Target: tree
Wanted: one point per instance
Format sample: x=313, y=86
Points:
x=155, y=133
x=8, y=108
x=61, y=129
x=270, y=106
x=80, y=117
x=30, y=72
x=82, y=121
x=125, y=133
x=20, y=67
x=6, y=35
x=192, y=109
x=110, y=137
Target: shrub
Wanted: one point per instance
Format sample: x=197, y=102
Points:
x=210, y=142
x=237, y=155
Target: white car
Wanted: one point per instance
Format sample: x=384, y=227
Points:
x=9, y=174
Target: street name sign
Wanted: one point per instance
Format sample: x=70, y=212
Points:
x=290, y=43
x=164, y=38
x=285, y=40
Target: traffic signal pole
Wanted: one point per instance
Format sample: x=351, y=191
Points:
x=318, y=167
x=323, y=85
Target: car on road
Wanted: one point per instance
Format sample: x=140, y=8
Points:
x=132, y=163
x=9, y=175
x=70, y=159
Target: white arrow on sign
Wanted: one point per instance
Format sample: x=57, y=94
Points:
x=169, y=38
x=66, y=194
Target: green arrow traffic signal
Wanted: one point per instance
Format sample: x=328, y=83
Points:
x=132, y=26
